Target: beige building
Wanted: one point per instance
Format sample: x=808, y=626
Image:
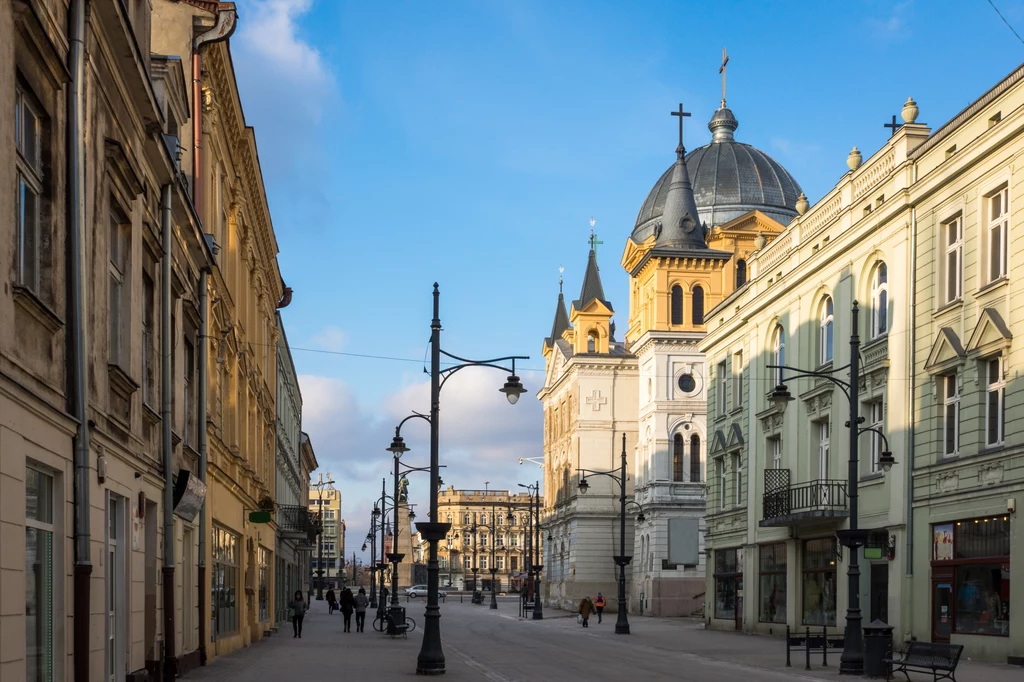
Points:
x=918, y=234
x=327, y=558
x=481, y=524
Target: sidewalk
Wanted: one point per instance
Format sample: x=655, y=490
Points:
x=325, y=652
x=757, y=651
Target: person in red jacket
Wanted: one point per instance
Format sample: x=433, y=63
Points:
x=599, y=605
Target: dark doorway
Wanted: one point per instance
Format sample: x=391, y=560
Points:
x=880, y=592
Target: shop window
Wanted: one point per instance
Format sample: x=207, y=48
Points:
x=772, y=579
x=978, y=556
x=224, y=581
x=728, y=580
x=41, y=613
x=819, y=582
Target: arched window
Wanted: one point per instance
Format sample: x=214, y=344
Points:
x=879, y=300
x=591, y=342
x=741, y=273
x=678, y=450
x=779, y=352
x=698, y=305
x=695, y=459
x=677, y=304
x=825, y=330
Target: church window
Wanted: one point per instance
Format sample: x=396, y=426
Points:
x=695, y=464
x=678, y=450
x=591, y=342
x=677, y=304
x=825, y=319
x=779, y=352
x=879, y=300
x=741, y=273
x=698, y=305
x=687, y=383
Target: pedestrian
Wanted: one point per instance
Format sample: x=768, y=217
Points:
x=347, y=604
x=361, y=602
x=332, y=602
x=297, y=610
x=586, y=608
x=599, y=605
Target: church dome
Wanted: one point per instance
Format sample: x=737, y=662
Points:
x=729, y=179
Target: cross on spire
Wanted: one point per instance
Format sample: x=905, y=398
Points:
x=721, y=70
x=680, y=114
x=593, y=238
x=560, y=271
x=894, y=125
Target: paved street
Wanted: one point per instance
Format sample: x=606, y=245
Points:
x=481, y=644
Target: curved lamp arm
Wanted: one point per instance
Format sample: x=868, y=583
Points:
x=804, y=374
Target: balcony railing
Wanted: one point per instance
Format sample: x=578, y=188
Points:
x=786, y=504
x=297, y=523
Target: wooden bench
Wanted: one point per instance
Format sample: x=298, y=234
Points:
x=806, y=642
x=928, y=657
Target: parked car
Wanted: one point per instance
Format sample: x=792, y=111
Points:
x=421, y=591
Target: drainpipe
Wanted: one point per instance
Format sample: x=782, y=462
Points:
x=166, y=417
x=227, y=21
x=79, y=337
x=204, y=330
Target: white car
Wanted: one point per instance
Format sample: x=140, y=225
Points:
x=421, y=591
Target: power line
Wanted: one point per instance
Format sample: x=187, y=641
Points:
x=1005, y=21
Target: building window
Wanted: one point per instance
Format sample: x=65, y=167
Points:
x=483, y=563
x=591, y=342
x=190, y=397
x=998, y=211
x=737, y=380
x=224, y=581
x=772, y=583
x=824, y=432
x=774, y=450
x=677, y=304
x=698, y=305
x=28, y=133
x=819, y=577
x=39, y=575
x=513, y=563
x=720, y=470
x=971, y=576
x=467, y=562
x=720, y=387
x=779, y=353
x=148, y=349
x=120, y=287
x=678, y=451
x=825, y=319
x=500, y=563
x=994, y=393
x=467, y=519
x=741, y=273
x=876, y=412
x=728, y=579
x=737, y=474
x=950, y=414
x=953, y=243
x=879, y=300
x=695, y=464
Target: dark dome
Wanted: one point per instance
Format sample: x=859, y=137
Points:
x=729, y=179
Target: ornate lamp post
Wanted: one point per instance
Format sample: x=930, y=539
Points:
x=852, y=660
x=431, y=657
x=476, y=567
x=320, y=539
x=533, y=539
x=622, y=621
x=492, y=568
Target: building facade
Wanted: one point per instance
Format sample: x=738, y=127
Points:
x=481, y=527
x=918, y=234
x=328, y=556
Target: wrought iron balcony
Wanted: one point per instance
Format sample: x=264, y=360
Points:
x=297, y=523
x=786, y=504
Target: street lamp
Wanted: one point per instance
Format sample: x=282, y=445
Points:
x=533, y=554
x=320, y=539
x=397, y=449
x=493, y=569
x=431, y=657
x=622, y=621
x=852, y=660
x=451, y=553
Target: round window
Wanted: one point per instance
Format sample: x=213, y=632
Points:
x=687, y=383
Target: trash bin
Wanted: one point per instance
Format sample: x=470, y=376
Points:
x=396, y=620
x=877, y=647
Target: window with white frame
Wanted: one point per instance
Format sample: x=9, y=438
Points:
x=189, y=392
x=40, y=575
x=499, y=563
x=824, y=430
x=720, y=470
x=994, y=393
x=483, y=539
x=875, y=413
x=737, y=380
x=774, y=451
x=825, y=320
x=148, y=348
x=120, y=287
x=737, y=473
x=879, y=300
x=953, y=245
x=28, y=135
x=950, y=414
x=720, y=387
x=483, y=563
x=467, y=562
x=997, y=234
x=779, y=353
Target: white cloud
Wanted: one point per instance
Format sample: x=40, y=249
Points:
x=270, y=30
x=895, y=23
x=331, y=338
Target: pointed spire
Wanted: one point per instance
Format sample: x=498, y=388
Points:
x=680, y=226
x=592, y=288
x=561, y=323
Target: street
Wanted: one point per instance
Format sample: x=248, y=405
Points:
x=483, y=644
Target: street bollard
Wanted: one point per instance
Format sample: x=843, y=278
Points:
x=877, y=647
x=807, y=649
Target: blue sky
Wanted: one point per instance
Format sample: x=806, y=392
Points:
x=469, y=143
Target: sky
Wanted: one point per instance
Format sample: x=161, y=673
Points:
x=470, y=142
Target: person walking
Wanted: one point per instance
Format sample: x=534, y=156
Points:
x=599, y=605
x=361, y=602
x=586, y=608
x=347, y=604
x=332, y=601
x=297, y=609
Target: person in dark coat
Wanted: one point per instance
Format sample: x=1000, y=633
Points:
x=361, y=603
x=586, y=608
x=347, y=605
x=332, y=601
x=297, y=607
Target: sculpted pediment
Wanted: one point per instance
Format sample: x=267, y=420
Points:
x=946, y=352
x=718, y=442
x=990, y=334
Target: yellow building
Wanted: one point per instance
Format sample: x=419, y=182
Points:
x=327, y=559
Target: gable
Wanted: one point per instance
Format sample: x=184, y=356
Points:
x=990, y=334
x=718, y=442
x=946, y=352
x=735, y=437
